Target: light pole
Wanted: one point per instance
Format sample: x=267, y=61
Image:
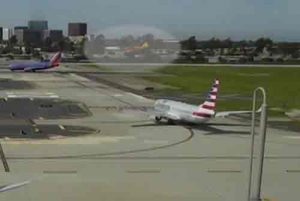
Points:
x=263, y=128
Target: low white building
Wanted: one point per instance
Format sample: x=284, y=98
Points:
x=7, y=34
x=112, y=52
x=213, y=59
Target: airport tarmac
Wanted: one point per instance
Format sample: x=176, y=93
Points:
x=111, y=150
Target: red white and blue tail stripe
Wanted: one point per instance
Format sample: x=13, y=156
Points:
x=208, y=108
x=55, y=60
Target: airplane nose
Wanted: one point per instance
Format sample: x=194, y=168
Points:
x=11, y=66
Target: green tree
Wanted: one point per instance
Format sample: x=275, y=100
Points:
x=48, y=44
x=80, y=46
x=67, y=45
x=189, y=44
x=28, y=49
x=13, y=40
x=127, y=41
x=99, y=44
x=227, y=43
x=261, y=43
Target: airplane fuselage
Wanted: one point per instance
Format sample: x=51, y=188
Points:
x=178, y=111
x=31, y=66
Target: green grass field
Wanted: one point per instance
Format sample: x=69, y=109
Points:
x=282, y=84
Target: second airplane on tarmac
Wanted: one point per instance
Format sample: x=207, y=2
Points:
x=37, y=66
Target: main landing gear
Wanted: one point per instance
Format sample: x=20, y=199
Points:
x=169, y=121
x=158, y=119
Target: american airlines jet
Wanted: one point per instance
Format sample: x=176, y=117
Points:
x=174, y=111
x=37, y=66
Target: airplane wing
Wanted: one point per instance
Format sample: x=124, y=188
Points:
x=29, y=69
x=169, y=116
x=34, y=68
x=229, y=113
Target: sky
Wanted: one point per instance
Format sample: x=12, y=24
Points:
x=237, y=19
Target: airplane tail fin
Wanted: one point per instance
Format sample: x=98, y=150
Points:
x=209, y=105
x=55, y=60
x=145, y=45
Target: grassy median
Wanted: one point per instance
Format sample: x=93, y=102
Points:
x=282, y=84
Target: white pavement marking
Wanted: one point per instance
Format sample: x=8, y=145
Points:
x=31, y=95
x=118, y=95
x=58, y=139
x=12, y=96
x=138, y=96
x=28, y=96
x=53, y=96
x=50, y=94
x=292, y=137
x=78, y=77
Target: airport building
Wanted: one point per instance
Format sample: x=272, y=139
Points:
x=34, y=34
x=20, y=28
x=29, y=37
x=1, y=33
x=55, y=35
x=77, y=29
x=38, y=25
x=7, y=34
x=19, y=35
x=18, y=32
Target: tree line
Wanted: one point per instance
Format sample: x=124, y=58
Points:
x=285, y=48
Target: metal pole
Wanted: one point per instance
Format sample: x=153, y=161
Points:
x=252, y=145
x=263, y=121
x=4, y=161
x=263, y=130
